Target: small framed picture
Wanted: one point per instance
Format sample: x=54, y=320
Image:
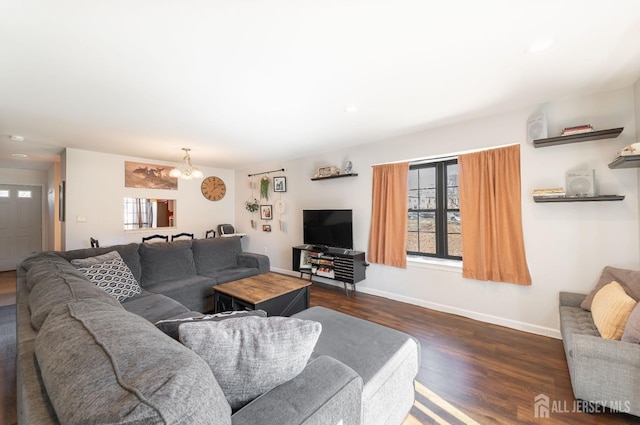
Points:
x=266, y=227
x=266, y=212
x=280, y=184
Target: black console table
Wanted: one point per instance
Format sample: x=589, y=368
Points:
x=344, y=265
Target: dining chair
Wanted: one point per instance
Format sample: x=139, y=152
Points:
x=180, y=235
x=210, y=234
x=148, y=238
x=94, y=243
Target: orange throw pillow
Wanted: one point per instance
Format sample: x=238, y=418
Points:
x=611, y=308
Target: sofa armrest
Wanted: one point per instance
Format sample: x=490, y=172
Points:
x=571, y=299
x=256, y=261
x=618, y=354
x=606, y=372
x=326, y=392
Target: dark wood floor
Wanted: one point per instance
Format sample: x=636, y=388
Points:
x=474, y=372
x=471, y=372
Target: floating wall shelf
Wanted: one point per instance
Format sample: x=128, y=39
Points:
x=629, y=161
x=337, y=176
x=580, y=198
x=582, y=137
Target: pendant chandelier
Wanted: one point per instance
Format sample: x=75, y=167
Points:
x=188, y=172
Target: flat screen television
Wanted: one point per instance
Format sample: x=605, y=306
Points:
x=328, y=228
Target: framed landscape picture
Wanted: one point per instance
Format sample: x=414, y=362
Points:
x=149, y=176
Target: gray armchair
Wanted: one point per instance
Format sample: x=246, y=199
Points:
x=603, y=371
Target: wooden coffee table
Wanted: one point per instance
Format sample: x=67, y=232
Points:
x=277, y=294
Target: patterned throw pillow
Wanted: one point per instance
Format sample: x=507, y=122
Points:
x=110, y=273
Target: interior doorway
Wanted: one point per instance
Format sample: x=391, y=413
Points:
x=20, y=224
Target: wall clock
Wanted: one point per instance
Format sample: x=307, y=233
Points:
x=213, y=188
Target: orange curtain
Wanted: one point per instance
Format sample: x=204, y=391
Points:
x=389, y=206
x=491, y=216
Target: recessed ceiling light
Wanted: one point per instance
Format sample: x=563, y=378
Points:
x=351, y=109
x=16, y=138
x=19, y=155
x=540, y=45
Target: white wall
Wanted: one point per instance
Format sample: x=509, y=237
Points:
x=567, y=244
x=95, y=190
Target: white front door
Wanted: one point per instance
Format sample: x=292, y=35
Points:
x=20, y=224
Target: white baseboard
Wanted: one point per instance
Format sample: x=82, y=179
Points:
x=482, y=317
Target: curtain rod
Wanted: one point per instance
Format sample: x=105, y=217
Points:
x=443, y=157
x=265, y=172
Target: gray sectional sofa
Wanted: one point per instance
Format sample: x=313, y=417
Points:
x=86, y=355
x=184, y=270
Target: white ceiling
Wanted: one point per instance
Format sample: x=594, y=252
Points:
x=246, y=81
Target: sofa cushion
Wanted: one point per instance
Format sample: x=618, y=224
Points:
x=576, y=320
x=251, y=355
x=215, y=254
x=128, y=252
x=171, y=326
x=40, y=267
x=194, y=292
x=109, y=273
x=101, y=364
x=632, y=328
x=55, y=281
x=229, y=275
x=166, y=261
x=611, y=308
x=154, y=307
x=628, y=279
x=386, y=359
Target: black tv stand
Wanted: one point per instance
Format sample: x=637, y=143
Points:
x=344, y=265
x=319, y=248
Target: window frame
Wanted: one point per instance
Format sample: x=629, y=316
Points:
x=441, y=209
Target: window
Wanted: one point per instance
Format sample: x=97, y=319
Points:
x=24, y=194
x=137, y=213
x=4, y=193
x=434, y=210
x=149, y=213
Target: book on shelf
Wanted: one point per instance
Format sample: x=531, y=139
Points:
x=586, y=128
x=325, y=272
x=579, y=127
x=549, y=193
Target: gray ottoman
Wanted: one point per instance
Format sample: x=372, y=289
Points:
x=386, y=359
